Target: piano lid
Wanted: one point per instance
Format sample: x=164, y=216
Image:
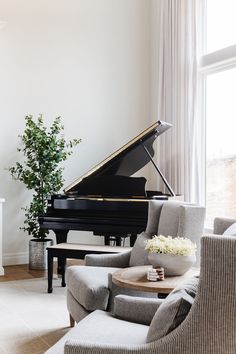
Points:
x=127, y=160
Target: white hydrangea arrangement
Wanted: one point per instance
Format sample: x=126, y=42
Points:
x=171, y=245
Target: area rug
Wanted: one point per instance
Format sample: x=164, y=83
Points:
x=31, y=320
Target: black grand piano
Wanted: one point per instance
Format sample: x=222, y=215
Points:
x=107, y=200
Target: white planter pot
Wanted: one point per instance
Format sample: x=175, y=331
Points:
x=173, y=265
x=38, y=253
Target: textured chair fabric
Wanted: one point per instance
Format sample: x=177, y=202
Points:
x=154, y=212
x=168, y=217
x=136, y=309
x=172, y=218
x=170, y=212
x=119, y=260
x=139, y=256
x=209, y=327
x=102, y=328
x=187, y=220
x=89, y=286
x=221, y=224
x=173, y=310
x=75, y=308
x=116, y=290
x=231, y=230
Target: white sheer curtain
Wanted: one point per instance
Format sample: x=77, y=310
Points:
x=181, y=150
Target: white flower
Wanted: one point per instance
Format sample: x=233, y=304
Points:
x=171, y=245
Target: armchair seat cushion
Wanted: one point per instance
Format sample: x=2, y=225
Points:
x=89, y=285
x=101, y=327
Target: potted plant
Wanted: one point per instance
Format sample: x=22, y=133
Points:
x=175, y=254
x=44, y=150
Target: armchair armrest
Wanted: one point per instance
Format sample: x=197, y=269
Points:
x=117, y=260
x=74, y=346
x=136, y=309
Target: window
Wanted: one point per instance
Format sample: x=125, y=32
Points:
x=221, y=24
x=219, y=66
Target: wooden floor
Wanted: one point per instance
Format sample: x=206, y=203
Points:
x=19, y=272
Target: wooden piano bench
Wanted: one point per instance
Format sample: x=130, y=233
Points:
x=76, y=251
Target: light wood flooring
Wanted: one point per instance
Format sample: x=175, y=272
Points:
x=19, y=272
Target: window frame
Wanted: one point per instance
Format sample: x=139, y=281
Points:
x=220, y=60
x=211, y=63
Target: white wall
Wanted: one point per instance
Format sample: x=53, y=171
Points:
x=154, y=80
x=86, y=60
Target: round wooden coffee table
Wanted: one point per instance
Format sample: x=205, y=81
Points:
x=136, y=278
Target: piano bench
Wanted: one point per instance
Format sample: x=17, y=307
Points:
x=76, y=251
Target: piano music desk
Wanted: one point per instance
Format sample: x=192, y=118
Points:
x=74, y=251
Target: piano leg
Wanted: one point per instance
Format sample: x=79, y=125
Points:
x=107, y=240
x=61, y=237
x=117, y=239
x=50, y=271
x=63, y=269
x=132, y=239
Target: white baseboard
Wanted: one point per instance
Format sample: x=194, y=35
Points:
x=1, y=271
x=15, y=258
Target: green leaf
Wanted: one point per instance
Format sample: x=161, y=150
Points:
x=44, y=149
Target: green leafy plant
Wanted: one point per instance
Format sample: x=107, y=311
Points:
x=44, y=150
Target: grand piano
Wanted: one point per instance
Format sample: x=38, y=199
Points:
x=107, y=200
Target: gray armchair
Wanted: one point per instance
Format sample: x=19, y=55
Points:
x=90, y=288
x=222, y=225
x=208, y=328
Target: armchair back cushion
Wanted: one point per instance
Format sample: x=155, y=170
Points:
x=139, y=256
x=231, y=230
x=154, y=212
x=182, y=219
x=169, y=218
x=173, y=310
x=221, y=224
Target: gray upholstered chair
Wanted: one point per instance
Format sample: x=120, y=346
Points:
x=90, y=288
x=224, y=226
x=207, y=328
